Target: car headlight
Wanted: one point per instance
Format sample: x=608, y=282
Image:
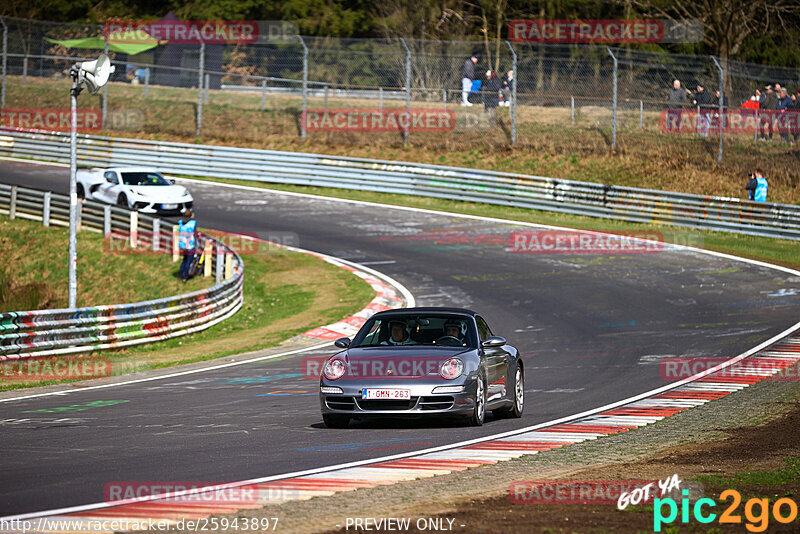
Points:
x=451, y=369
x=334, y=369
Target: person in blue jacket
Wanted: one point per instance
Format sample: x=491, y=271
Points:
x=186, y=243
x=757, y=186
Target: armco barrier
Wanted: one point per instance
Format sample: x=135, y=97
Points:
x=536, y=192
x=29, y=334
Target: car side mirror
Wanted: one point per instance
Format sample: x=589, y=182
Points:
x=342, y=342
x=493, y=342
x=172, y=181
x=110, y=180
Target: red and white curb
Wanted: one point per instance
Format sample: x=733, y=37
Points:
x=763, y=364
x=386, y=298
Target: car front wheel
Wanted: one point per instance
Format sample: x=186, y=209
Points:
x=122, y=202
x=515, y=410
x=479, y=407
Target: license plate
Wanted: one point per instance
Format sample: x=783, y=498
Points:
x=386, y=394
x=169, y=206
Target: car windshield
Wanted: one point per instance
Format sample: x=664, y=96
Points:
x=438, y=330
x=144, y=178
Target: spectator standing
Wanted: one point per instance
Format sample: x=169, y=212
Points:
x=783, y=105
x=704, y=104
x=508, y=88
x=767, y=110
x=757, y=187
x=187, y=243
x=676, y=99
x=467, y=75
x=491, y=94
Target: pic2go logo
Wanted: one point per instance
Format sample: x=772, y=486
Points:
x=756, y=511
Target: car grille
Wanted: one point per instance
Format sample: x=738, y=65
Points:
x=340, y=403
x=439, y=402
x=382, y=405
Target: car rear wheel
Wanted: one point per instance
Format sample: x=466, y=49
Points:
x=479, y=408
x=515, y=410
x=335, y=421
x=81, y=193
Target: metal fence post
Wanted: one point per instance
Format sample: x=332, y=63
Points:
x=12, y=205
x=104, y=103
x=641, y=115
x=134, y=230
x=205, y=93
x=513, y=95
x=25, y=70
x=572, y=109
x=263, y=94
x=200, y=89
x=325, y=99
x=220, y=263
x=46, y=209
x=380, y=99
x=444, y=99
x=106, y=221
x=146, y=81
x=207, y=248
x=5, y=63
x=408, y=92
x=305, y=89
x=721, y=107
x=614, y=102
x=156, y=234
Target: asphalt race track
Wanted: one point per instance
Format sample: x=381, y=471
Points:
x=592, y=328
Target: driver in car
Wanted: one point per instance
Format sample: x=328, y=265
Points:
x=452, y=329
x=399, y=334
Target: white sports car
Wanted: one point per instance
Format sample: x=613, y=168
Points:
x=140, y=189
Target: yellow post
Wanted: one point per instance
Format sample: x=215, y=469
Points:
x=207, y=260
x=176, y=252
x=228, y=265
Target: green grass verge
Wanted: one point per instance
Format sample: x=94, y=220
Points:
x=777, y=251
x=279, y=300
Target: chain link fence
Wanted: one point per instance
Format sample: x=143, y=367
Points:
x=548, y=97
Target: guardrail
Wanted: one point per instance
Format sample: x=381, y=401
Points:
x=29, y=334
x=508, y=189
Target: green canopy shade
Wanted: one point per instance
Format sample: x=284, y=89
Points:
x=114, y=44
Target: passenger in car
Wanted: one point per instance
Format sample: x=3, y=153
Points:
x=399, y=334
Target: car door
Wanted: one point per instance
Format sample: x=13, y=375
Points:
x=107, y=192
x=496, y=364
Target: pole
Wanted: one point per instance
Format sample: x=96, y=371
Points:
x=73, y=195
x=5, y=63
x=408, y=91
x=200, y=89
x=614, y=103
x=146, y=81
x=513, y=95
x=263, y=94
x=444, y=99
x=305, y=89
x=205, y=95
x=380, y=99
x=572, y=109
x=721, y=107
x=325, y=99
x=104, y=98
x=25, y=70
x=641, y=115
